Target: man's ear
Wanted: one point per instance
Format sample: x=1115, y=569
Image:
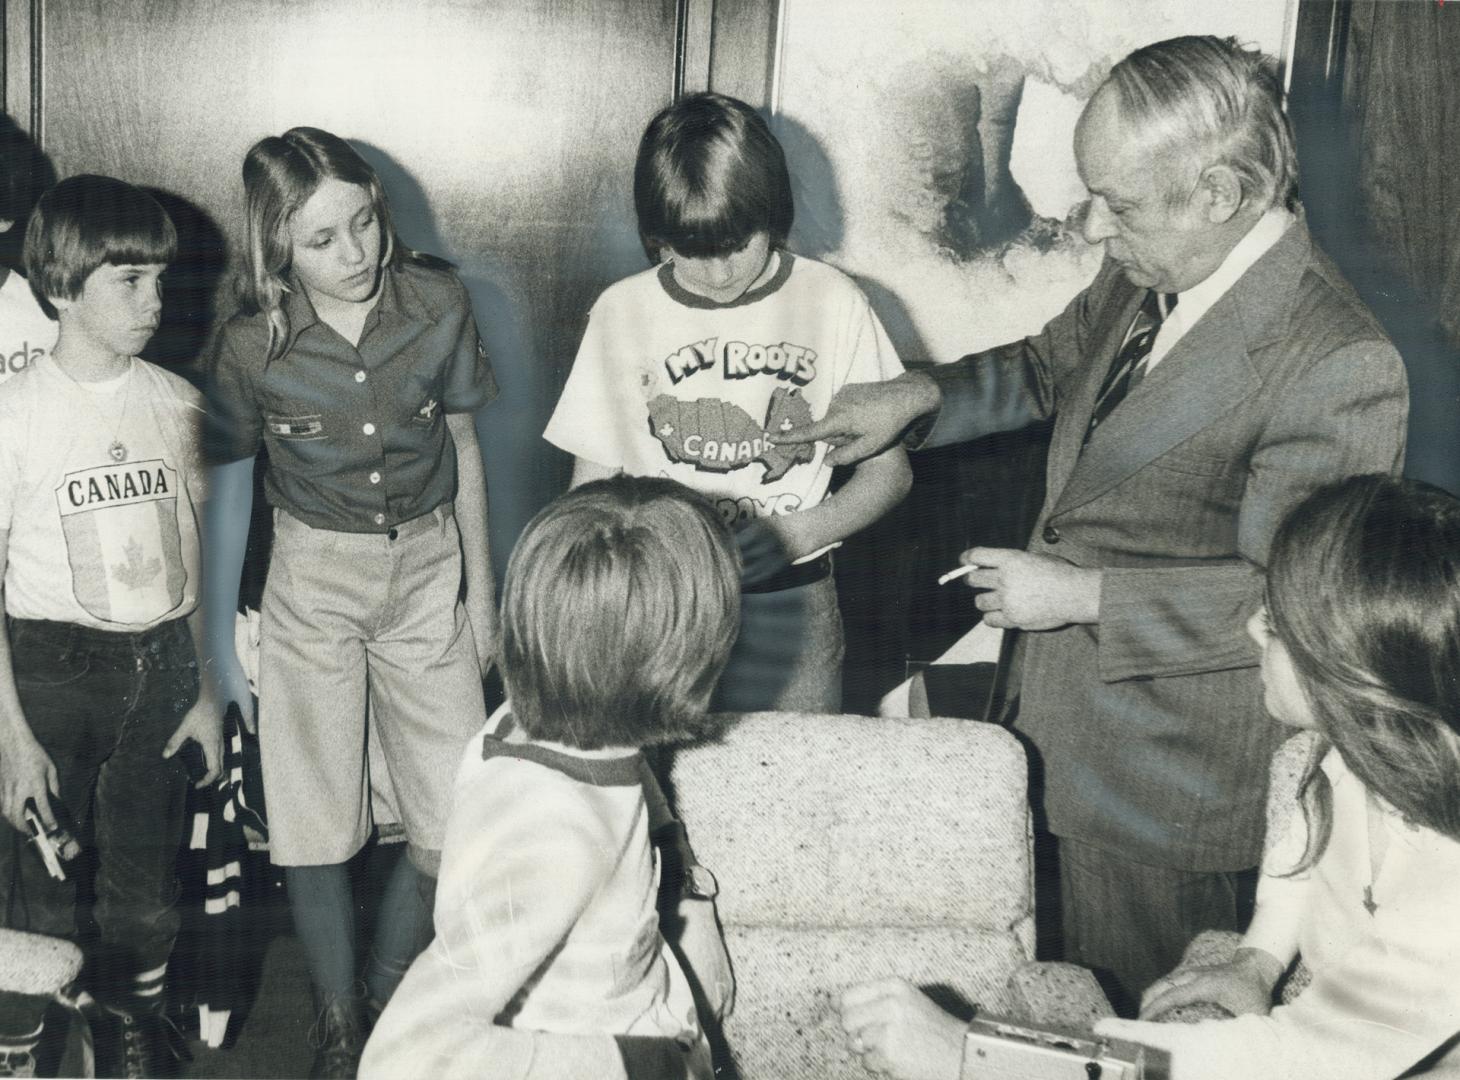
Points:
x=60, y=303
x=1221, y=192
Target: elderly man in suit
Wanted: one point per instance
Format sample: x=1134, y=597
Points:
x=1215, y=371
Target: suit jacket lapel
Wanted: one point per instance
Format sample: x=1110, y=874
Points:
x=1207, y=373
x=1067, y=438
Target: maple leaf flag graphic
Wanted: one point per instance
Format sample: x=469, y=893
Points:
x=123, y=543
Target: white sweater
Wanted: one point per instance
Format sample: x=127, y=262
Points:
x=545, y=926
x=1386, y=984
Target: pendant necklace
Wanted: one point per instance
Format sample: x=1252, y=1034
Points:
x=1378, y=845
x=117, y=450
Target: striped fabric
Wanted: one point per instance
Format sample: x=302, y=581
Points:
x=212, y=870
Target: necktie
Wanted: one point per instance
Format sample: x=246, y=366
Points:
x=1123, y=374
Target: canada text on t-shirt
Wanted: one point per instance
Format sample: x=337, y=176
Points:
x=122, y=539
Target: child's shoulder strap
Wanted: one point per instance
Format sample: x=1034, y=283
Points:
x=500, y=724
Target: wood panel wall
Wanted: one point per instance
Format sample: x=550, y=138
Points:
x=1377, y=117
x=504, y=131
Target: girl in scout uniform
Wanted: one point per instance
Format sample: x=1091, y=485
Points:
x=357, y=365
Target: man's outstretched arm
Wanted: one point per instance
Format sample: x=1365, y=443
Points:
x=866, y=418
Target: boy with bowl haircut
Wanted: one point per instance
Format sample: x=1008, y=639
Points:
x=100, y=497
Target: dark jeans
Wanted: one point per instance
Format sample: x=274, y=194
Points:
x=103, y=706
x=788, y=653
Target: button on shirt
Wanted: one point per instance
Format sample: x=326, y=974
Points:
x=356, y=435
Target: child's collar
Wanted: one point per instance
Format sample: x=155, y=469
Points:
x=678, y=293
x=390, y=304
x=611, y=767
x=100, y=373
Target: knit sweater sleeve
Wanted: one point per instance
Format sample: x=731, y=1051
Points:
x=1363, y=1020
x=519, y=869
x=1282, y=896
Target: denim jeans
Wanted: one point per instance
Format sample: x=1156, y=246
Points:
x=788, y=653
x=103, y=705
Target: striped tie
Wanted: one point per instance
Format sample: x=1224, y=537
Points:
x=1126, y=370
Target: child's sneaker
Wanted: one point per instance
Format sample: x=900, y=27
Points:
x=134, y=1045
x=338, y=1037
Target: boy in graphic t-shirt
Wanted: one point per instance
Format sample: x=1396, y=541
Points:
x=695, y=368
x=100, y=496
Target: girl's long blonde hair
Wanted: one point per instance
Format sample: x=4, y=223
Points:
x=280, y=173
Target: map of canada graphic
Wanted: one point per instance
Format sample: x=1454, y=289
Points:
x=716, y=436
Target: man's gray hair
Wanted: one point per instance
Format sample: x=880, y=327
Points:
x=1216, y=103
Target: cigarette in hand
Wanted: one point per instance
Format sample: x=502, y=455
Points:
x=958, y=572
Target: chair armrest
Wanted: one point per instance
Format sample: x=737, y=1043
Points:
x=1208, y=947
x=36, y=964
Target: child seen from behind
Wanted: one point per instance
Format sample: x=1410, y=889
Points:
x=618, y=614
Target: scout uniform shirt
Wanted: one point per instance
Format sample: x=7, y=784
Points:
x=356, y=435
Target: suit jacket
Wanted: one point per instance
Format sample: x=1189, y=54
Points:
x=1149, y=725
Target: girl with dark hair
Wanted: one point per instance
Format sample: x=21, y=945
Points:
x=617, y=617
x=357, y=365
x=1360, y=640
x=693, y=370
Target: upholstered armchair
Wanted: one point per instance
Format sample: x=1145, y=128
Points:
x=849, y=848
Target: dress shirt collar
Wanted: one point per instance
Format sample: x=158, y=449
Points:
x=1198, y=300
x=1263, y=235
x=299, y=310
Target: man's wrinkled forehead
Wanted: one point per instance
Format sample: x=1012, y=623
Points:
x=1117, y=159
x=1100, y=142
